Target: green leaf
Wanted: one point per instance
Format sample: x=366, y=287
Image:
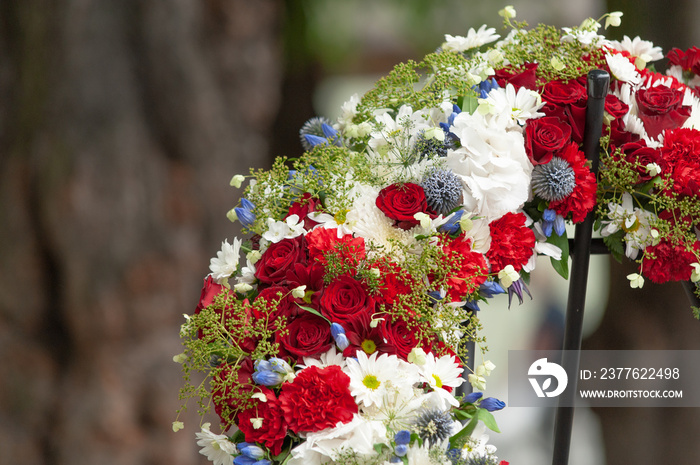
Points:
x=314, y=311
x=464, y=432
x=560, y=266
x=463, y=414
x=470, y=104
x=379, y=447
x=488, y=419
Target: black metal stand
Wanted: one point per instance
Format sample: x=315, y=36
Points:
x=598, y=81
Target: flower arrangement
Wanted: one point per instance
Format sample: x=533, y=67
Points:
x=340, y=339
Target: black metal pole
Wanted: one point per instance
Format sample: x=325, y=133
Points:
x=598, y=81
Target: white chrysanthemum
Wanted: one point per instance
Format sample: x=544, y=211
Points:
x=677, y=72
x=510, y=109
x=226, y=261
x=247, y=275
x=492, y=164
x=420, y=455
x=216, y=447
x=377, y=379
x=643, y=49
x=439, y=373
x=474, y=39
x=622, y=69
x=693, y=122
x=634, y=221
x=359, y=435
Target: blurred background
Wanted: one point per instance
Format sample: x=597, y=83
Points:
x=121, y=124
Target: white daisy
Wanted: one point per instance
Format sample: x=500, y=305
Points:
x=332, y=357
x=439, y=373
x=377, y=378
x=644, y=50
x=226, y=261
x=474, y=39
x=636, y=223
x=622, y=69
x=215, y=447
x=510, y=109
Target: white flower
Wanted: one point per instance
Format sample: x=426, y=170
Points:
x=332, y=357
x=299, y=292
x=177, y=426
x=348, y=111
x=358, y=435
x=635, y=221
x=492, y=164
x=237, y=180
x=485, y=368
x=507, y=12
x=474, y=39
x=439, y=373
x=643, y=49
x=508, y=276
x=247, y=275
x=477, y=446
x=417, y=356
x=215, y=447
x=477, y=382
x=613, y=19
x=510, y=109
x=372, y=377
x=622, y=69
x=226, y=261
x=584, y=36
x=695, y=275
x=290, y=228
x=636, y=280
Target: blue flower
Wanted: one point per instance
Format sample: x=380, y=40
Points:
x=267, y=378
x=245, y=213
x=443, y=191
x=280, y=366
x=553, y=181
x=484, y=87
x=517, y=289
x=473, y=397
x=402, y=437
x=551, y=220
x=490, y=289
x=338, y=333
x=318, y=130
x=251, y=450
x=492, y=404
x=401, y=450
x=452, y=225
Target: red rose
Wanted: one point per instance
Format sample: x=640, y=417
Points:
x=469, y=270
x=273, y=429
x=661, y=108
x=638, y=155
x=512, y=242
x=307, y=335
x=345, y=299
x=400, y=335
x=302, y=207
x=285, y=305
x=668, y=262
x=558, y=93
x=519, y=77
x=401, y=201
x=544, y=137
x=322, y=242
x=317, y=399
x=615, y=107
x=583, y=198
x=278, y=259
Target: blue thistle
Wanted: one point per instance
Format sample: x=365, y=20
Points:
x=429, y=148
x=443, y=191
x=318, y=130
x=433, y=425
x=553, y=181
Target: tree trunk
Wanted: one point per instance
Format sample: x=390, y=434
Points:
x=121, y=123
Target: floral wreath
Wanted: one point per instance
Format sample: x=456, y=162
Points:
x=340, y=337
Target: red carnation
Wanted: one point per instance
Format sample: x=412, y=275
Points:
x=661, y=108
x=317, y=399
x=401, y=202
x=264, y=422
x=665, y=261
x=583, y=198
x=469, y=268
x=681, y=151
x=512, y=242
x=322, y=242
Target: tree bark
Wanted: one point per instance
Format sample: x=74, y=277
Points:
x=121, y=123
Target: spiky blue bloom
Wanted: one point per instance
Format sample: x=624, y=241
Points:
x=517, y=289
x=554, y=180
x=245, y=213
x=443, y=191
x=492, y=404
x=429, y=148
x=433, y=425
x=318, y=130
